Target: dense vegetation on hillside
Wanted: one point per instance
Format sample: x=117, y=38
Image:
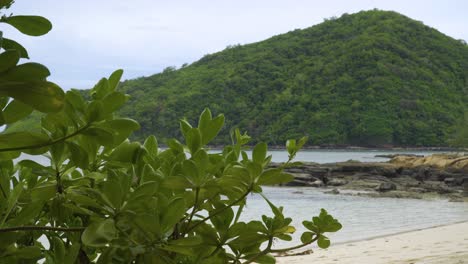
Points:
x=373, y=78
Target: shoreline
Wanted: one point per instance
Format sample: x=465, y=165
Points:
x=446, y=243
x=399, y=233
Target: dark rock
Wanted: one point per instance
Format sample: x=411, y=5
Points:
x=298, y=183
x=417, y=190
x=304, y=177
x=317, y=183
x=386, y=186
x=372, y=177
x=318, y=172
x=295, y=170
x=391, y=156
x=336, y=182
x=450, y=181
x=333, y=191
x=456, y=200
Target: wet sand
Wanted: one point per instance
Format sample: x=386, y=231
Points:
x=444, y=244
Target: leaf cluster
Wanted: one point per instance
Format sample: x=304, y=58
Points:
x=102, y=198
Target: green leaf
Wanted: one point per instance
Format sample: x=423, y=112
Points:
x=78, y=155
x=103, y=136
x=177, y=183
x=12, y=200
x=30, y=25
x=266, y=259
x=114, y=101
x=193, y=139
x=306, y=237
x=185, y=127
x=95, y=111
x=274, y=177
x=82, y=199
x=311, y=226
x=122, y=128
x=187, y=241
x=114, y=79
x=29, y=253
x=184, y=250
x=72, y=254
x=174, y=212
x=30, y=71
x=259, y=153
x=15, y=111
x=323, y=241
x=27, y=213
x=8, y=60
x=277, y=211
x=322, y=223
x=101, y=89
x=41, y=95
x=301, y=143
x=190, y=171
x=125, y=152
x=99, y=233
x=291, y=146
x=44, y=192
x=20, y=139
x=175, y=145
x=113, y=191
x=326, y=222
x=9, y=155
x=146, y=189
x=9, y=44
x=151, y=145
x=58, y=249
x=209, y=127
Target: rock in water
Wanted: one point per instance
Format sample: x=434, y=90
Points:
x=386, y=186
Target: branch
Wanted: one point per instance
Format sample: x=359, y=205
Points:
x=48, y=143
x=279, y=250
x=219, y=211
x=261, y=253
x=41, y=228
x=195, y=205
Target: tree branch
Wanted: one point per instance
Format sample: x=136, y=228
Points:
x=41, y=228
x=48, y=143
x=279, y=250
x=261, y=253
x=219, y=211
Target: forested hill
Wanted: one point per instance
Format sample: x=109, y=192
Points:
x=372, y=78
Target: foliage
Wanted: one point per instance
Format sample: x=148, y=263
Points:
x=370, y=79
x=105, y=199
x=460, y=138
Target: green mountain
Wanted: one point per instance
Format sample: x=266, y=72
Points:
x=372, y=78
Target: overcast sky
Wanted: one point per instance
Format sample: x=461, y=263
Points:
x=91, y=38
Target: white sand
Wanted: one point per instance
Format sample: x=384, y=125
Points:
x=445, y=244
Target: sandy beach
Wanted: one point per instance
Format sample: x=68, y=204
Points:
x=444, y=244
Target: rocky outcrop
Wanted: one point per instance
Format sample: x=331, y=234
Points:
x=386, y=186
x=403, y=176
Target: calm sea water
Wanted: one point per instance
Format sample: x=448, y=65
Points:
x=318, y=156
x=338, y=155
x=362, y=217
